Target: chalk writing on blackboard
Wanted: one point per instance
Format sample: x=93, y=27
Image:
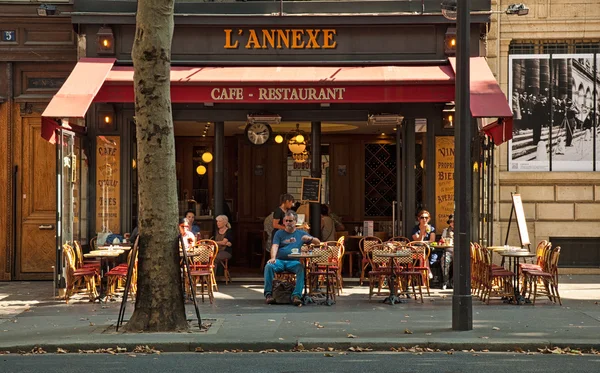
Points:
x=311, y=189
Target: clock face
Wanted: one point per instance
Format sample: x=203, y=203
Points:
x=258, y=133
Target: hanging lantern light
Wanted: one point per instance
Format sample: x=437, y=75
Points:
x=279, y=139
x=201, y=170
x=296, y=141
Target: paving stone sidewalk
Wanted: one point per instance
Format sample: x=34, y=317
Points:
x=240, y=320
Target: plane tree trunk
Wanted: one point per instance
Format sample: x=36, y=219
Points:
x=159, y=303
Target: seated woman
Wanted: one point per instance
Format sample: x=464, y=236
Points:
x=423, y=231
x=189, y=239
x=223, y=238
x=327, y=225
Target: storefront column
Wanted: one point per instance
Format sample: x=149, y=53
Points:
x=219, y=165
x=399, y=219
x=315, y=171
x=408, y=170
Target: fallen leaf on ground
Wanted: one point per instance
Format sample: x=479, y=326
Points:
x=328, y=355
x=271, y=320
x=132, y=355
x=495, y=328
x=121, y=349
x=299, y=346
x=4, y=352
x=61, y=351
x=359, y=349
x=352, y=336
x=145, y=350
x=484, y=337
x=427, y=333
x=38, y=350
x=330, y=349
x=267, y=351
x=406, y=331
x=198, y=349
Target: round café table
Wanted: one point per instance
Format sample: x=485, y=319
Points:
x=513, y=259
x=106, y=257
x=393, y=298
x=304, y=257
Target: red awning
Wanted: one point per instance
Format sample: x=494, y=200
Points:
x=97, y=80
x=488, y=101
x=79, y=90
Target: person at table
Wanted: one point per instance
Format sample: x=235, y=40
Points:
x=223, y=238
x=423, y=231
x=327, y=224
x=284, y=241
x=286, y=201
x=190, y=216
x=448, y=256
x=189, y=238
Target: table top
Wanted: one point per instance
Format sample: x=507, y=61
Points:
x=113, y=247
x=441, y=246
x=103, y=254
x=304, y=255
x=520, y=254
x=503, y=248
x=397, y=254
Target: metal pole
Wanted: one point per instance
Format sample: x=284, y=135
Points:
x=315, y=171
x=462, y=306
x=219, y=173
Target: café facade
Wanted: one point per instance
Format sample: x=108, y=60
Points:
x=369, y=85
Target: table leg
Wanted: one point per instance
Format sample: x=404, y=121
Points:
x=393, y=298
x=306, y=299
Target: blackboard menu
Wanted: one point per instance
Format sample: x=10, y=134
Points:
x=311, y=189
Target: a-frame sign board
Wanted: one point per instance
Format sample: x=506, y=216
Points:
x=517, y=208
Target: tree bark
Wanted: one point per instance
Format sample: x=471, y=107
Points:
x=159, y=304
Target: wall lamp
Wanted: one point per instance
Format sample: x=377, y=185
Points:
x=45, y=10
x=518, y=9
x=450, y=41
x=448, y=115
x=106, y=41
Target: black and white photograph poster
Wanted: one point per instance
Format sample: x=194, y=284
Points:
x=553, y=89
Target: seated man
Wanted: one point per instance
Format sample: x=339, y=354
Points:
x=283, y=243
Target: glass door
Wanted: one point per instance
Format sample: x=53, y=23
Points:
x=67, y=187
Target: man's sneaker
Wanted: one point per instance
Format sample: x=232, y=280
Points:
x=296, y=301
x=269, y=299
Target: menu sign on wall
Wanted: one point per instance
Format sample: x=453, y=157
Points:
x=444, y=179
x=108, y=180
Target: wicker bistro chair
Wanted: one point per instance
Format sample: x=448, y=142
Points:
x=408, y=274
x=202, y=267
x=118, y=275
x=541, y=257
x=400, y=239
x=380, y=269
x=75, y=278
x=324, y=267
x=547, y=277
x=335, y=261
x=495, y=281
x=421, y=261
x=365, y=245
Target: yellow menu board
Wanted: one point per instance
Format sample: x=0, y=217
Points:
x=444, y=180
x=108, y=184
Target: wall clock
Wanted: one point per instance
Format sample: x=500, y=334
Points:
x=258, y=133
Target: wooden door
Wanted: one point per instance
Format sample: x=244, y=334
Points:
x=36, y=232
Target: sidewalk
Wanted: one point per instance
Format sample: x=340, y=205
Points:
x=240, y=320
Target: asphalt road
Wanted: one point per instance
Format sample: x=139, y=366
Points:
x=299, y=362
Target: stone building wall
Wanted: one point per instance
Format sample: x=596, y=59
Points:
x=556, y=204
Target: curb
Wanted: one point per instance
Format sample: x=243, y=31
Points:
x=257, y=346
